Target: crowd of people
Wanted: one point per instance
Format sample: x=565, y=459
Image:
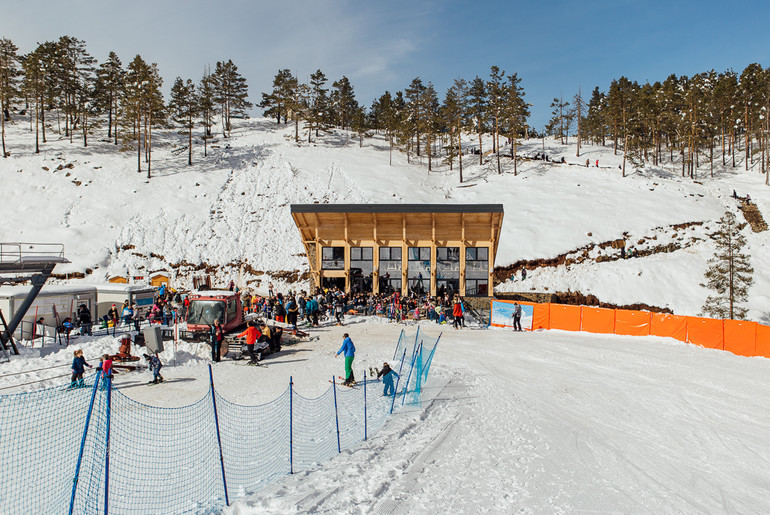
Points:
x=332, y=303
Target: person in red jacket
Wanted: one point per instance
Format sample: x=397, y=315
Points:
x=457, y=313
x=251, y=333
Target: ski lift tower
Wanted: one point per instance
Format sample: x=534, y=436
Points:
x=20, y=262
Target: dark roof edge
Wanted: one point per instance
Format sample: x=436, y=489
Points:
x=396, y=208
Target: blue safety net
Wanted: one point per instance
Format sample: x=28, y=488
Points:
x=189, y=459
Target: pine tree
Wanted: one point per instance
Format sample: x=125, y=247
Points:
x=319, y=103
x=413, y=95
x=594, y=121
x=38, y=84
x=477, y=108
x=230, y=92
x=9, y=79
x=429, y=120
x=344, y=104
x=144, y=107
x=109, y=85
x=454, y=113
x=496, y=91
x=561, y=119
x=75, y=77
x=729, y=273
x=515, y=114
x=578, y=110
x=185, y=106
x=276, y=102
x=207, y=107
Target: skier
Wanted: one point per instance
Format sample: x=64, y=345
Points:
x=350, y=352
x=155, y=366
x=78, y=367
x=387, y=375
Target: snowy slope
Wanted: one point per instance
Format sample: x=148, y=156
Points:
x=232, y=208
x=541, y=422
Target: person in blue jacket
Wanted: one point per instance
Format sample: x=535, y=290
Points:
x=78, y=367
x=387, y=375
x=349, y=351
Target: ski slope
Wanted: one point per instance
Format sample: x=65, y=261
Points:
x=229, y=212
x=535, y=422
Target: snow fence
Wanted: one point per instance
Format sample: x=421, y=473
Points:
x=92, y=449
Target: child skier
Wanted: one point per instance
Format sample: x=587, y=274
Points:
x=350, y=351
x=78, y=367
x=155, y=366
x=387, y=375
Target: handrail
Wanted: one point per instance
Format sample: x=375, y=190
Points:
x=16, y=252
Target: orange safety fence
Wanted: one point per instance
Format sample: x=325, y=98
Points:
x=565, y=317
x=541, y=317
x=762, y=347
x=740, y=337
x=671, y=326
x=632, y=323
x=706, y=332
x=598, y=320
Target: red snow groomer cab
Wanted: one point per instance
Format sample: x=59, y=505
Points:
x=208, y=306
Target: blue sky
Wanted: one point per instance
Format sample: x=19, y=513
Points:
x=555, y=46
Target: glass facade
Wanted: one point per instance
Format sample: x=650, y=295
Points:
x=333, y=258
x=418, y=270
x=361, y=269
x=390, y=269
x=447, y=270
x=476, y=271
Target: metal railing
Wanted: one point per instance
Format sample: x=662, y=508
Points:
x=17, y=252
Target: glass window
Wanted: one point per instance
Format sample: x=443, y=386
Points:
x=418, y=269
x=333, y=258
x=361, y=268
x=477, y=271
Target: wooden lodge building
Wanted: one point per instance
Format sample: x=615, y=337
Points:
x=382, y=248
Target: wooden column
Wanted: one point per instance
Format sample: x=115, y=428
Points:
x=318, y=252
x=375, y=257
x=404, y=257
x=347, y=256
x=433, y=260
x=462, y=257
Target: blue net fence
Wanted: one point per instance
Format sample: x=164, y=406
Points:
x=92, y=449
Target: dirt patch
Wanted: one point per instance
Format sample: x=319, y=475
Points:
x=753, y=216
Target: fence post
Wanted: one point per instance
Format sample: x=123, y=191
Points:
x=395, y=392
x=291, y=425
x=83, y=440
x=219, y=438
x=107, y=449
x=409, y=377
x=336, y=416
x=365, y=404
x=398, y=345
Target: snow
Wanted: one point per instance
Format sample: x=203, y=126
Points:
x=537, y=422
x=540, y=422
x=230, y=210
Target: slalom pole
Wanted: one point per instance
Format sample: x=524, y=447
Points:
x=107, y=449
x=408, y=378
x=291, y=425
x=395, y=391
x=83, y=441
x=336, y=416
x=365, y=404
x=219, y=438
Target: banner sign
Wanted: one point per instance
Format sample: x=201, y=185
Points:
x=502, y=314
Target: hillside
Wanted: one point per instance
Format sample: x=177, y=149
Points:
x=229, y=212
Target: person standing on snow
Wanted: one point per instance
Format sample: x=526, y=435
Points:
x=349, y=351
x=457, y=314
x=388, y=375
x=216, y=341
x=78, y=368
x=516, y=316
x=251, y=333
